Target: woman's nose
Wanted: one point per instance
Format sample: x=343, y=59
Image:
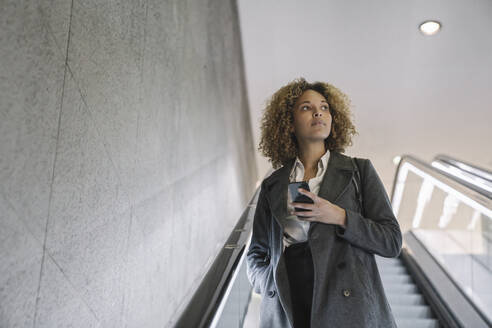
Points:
x=317, y=112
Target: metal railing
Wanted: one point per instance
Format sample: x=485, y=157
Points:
x=451, y=219
x=208, y=302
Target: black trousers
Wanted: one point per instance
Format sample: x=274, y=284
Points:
x=300, y=271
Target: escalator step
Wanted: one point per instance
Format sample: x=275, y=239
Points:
x=407, y=303
x=381, y=259
x=396, y=279
x=383, y=266
x=407, y=288
x=411, y=312
x=389, y=262
x=400, y=269
x=408, y=299
x=417, y=323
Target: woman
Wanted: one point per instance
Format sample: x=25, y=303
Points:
x=314, y=263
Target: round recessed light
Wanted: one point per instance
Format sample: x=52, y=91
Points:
x=430, y=27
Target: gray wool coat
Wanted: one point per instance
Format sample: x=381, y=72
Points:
x=347, y=286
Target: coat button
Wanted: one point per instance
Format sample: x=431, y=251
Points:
x=346, y=292
x=271, y=293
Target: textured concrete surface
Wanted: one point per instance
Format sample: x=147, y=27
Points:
x=126, y=157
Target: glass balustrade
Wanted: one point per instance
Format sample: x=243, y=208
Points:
x=453, y=223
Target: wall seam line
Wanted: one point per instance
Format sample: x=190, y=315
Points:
x=53, y=172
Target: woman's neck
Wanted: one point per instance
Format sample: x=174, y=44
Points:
x=310, y=153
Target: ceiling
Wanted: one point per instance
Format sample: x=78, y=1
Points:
x=410, y=93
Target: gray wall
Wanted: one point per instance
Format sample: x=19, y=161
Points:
x=126, y=157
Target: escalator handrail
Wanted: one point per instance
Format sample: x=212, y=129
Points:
x=211, y=293
x=468, y=173
x=454, y=183
x=477, y=170
x=452, y=306
x=200, y=311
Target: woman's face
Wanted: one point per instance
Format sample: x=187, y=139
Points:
x=312, y=118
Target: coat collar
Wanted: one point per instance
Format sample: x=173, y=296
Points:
x=337, y=176
x=322, y=164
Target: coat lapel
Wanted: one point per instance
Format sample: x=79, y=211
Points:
x=277, y=191
x=337, y=176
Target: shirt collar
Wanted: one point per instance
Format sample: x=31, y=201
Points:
x=322, y=163
x=325, y=158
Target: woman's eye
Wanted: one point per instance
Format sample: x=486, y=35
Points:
x=324, y=107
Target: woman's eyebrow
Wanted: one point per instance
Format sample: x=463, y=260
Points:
x=307, y=101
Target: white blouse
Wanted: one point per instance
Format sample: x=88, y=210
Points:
x=296, y=230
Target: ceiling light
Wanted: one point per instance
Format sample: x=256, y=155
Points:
x=430, y=27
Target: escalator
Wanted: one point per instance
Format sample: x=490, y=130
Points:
x=442, y=278
x=408, y=305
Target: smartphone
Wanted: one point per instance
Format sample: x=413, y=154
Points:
x=297, y=197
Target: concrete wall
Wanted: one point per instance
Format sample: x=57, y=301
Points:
x=126, y=157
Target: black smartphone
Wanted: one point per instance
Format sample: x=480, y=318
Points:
x=297, y=197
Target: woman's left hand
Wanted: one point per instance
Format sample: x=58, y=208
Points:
x=321, y=211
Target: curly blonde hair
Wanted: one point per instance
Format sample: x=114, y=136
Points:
x=280, y=145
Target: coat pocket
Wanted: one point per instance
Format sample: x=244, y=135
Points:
x=363, y=272
x=267, y=282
